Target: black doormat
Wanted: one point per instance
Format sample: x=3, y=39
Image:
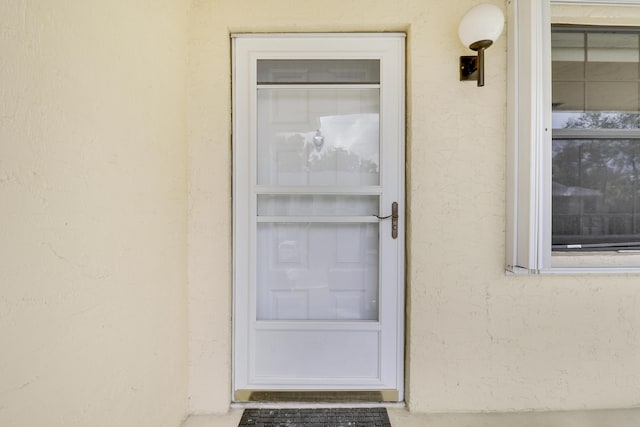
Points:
x=320, y=417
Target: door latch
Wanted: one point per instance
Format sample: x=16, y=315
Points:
x=394, y=219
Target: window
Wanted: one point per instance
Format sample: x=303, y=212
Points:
x=573, y=195
x=595, y=153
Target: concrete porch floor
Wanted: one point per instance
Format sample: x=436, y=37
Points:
x=400, y=417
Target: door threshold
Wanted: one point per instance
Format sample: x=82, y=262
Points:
x=311, y=405
x=316, y=396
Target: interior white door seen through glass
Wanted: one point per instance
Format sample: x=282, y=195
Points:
x=318, y=221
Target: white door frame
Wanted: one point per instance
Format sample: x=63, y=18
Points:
x=392, y=146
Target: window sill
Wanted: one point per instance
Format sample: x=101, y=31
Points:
x=574, y=263
x=594, y=262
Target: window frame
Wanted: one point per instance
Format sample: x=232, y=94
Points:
x=529, y=134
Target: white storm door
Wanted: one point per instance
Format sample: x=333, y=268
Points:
x=318, y=144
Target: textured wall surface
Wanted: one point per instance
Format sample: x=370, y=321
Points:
x=93, y=180
x=478, y=340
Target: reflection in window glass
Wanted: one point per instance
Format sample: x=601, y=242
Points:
x=595, y=191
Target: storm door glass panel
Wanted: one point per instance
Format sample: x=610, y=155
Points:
x=317, y=271
x=317, y=127
x=317, y=205
x=318, y=136
x=318, y=71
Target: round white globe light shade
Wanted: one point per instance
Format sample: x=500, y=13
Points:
x=482, y=22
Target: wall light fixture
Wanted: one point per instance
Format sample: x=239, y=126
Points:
x=479, y=28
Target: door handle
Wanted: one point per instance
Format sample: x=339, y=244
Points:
x=394, y=219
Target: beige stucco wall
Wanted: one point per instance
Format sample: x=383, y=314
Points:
x=93, y=220
x=478, y=340
x=93, y=180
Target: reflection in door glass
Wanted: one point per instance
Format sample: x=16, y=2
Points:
x=318, y=137
x=317, y=271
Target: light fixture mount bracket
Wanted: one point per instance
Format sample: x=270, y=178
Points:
x=468, y=68
x=472, y=67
